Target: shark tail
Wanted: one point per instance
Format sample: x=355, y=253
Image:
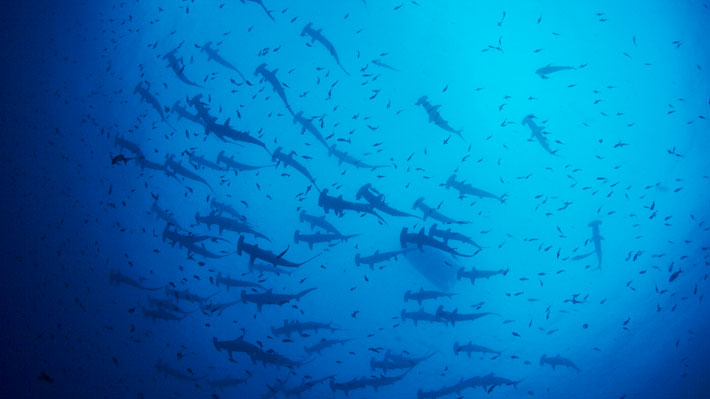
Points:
x=308, y=260
x=304, y=292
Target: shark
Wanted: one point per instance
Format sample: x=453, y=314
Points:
x=421, y=315
x=549, y=68
x=276, y=85
x=393, y=361
x=377, y=200
x=558, y=361
x=289, y=160
x=269, y=298
x=537, y=132
x=299, y=327
x=316, y=35
x=379, y=257
x=596, y=241
x=436, y=118
x=324, y=344
x=199, y=161
x=148, y=97
x=178, y=66
x=316, y=238
x=225, y=223
x=124, y=144
x=475, y=274
x=429, y=212
x=255, y=253
x=176, y=168
x=465, y=189
x=261, y=4
x=455, y=316
x=472, y=348
x=448, y=235
x=229, y=282
x=231, y=164
x=344, y=157
x=317, y=221
x=165, y=215
x=422, y=240
x=212, y=54
x=162, y=314
x=117, y=278
x=308, y=126
x=422, y=295
x=338, y=205
x=182, y=112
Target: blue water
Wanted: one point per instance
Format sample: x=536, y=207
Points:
x=592, y=215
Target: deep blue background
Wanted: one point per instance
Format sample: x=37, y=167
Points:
x=70, y=217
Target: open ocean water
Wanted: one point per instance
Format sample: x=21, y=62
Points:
x=365, y=199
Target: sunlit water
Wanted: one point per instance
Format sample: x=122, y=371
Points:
x=584, y=125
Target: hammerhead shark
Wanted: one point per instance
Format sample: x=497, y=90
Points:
x=291, y=327
x=422, y=295
x=255, y=253
x=212, y=54
x=465, y=189
x=178, y=66
x=235, y=166
x=393, y=361
x=276, y=85
x=199, y=162
x=429, y=212
x=549, y=68
x=317, y=221
x=378, y=257
x=261, y=3
x=176, y=168
x=344, y=157
x=316, y=35
x=558, y=361
x=116, y=278
x=421, y=240
x=147, y=96
x=269, y=298
x=316, y=238
x=182, y=112
x=225, y=223
x=289, y=160
x=224, y=132
x=377, y=200
x=475, y=274
x=597, y=241
x=338, y=205
x=473, y=348
x=448, y=235
x=537, y=132
x=421, y=315
x=435, y=117
x=229, y=282
x=308, y=126
x=455, y=316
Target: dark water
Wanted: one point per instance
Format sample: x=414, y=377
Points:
x=563, y=147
